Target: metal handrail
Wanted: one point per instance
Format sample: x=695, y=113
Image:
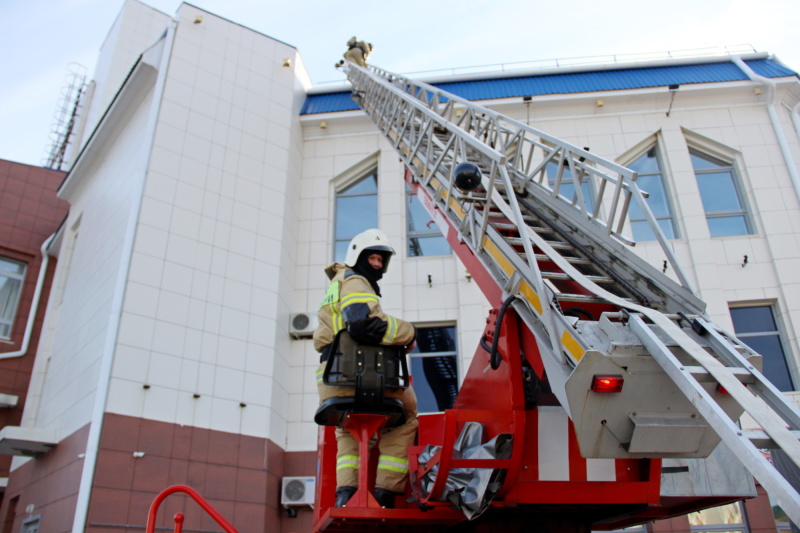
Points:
x=151, y=515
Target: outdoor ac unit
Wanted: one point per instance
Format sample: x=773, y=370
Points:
x=298, y=491
x=302, y=325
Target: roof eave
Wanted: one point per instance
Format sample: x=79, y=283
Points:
x=140, y=80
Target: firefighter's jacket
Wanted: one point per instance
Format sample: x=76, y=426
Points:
x=351, y=303
x=358, y=53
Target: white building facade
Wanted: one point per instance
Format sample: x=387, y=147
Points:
x=208, y=194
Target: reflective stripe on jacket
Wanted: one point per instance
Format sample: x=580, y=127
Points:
x=351, y=303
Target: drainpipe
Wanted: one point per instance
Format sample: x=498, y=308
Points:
x=106, y=363
x=37, y=295
x=776, y=125
x=796, y=118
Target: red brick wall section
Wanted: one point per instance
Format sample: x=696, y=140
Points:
x=299, y=464
x=29, y=213
x=240, y=476
x=29, y=209
x=759, y=512
x=48, y=486
x=679, y=524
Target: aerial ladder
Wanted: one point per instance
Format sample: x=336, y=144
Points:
x=586, y=341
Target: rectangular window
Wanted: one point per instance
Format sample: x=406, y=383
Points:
x=721, y=195
x=651, y=180
x=12, y=274
x=756, y=327
x=356, y=211
x=434, y=367
x=424, y=238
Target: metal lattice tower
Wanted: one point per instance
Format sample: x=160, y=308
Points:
x=69, y=105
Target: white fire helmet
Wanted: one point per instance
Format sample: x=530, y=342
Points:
x=372, y=239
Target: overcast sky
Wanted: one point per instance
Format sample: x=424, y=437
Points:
x=40, y=38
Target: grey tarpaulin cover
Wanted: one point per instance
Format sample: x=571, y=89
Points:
x=470, y=489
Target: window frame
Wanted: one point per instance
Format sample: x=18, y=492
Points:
x=778, y=332
x=417, y=354
x=14, y=308
x=666, y=188
x=432, y=231
x=709, y=148
x=364, y=170
x=561, y=167
x=724, y=166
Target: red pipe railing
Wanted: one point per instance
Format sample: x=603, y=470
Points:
x=151, y=516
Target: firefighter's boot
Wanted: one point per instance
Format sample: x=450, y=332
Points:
x=385, y=498
x=343, y=495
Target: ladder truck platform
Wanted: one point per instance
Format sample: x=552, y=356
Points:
x=604, y=394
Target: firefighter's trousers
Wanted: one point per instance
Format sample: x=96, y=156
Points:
x=393, y=446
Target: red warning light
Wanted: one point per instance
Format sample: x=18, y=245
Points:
x=721, y=389
x=607, y=383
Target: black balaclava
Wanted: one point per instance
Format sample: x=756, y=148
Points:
x=363, y=268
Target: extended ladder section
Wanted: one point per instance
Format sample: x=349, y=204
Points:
x=544, y=231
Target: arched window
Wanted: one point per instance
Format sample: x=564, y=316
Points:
x=651, y=180
x=720, y=191
x=356, y=211
x=566, y=188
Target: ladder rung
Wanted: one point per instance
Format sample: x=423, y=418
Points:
x=499, y=214
x=542, y=258
x=703, y=376
x=565, y=277
x=572, y=260
x=761, y=440
x=580, y=298
x=556, y=245
x=575, y=297
x=504, y=226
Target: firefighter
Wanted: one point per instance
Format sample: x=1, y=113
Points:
x=352, y=302
x=358, y=52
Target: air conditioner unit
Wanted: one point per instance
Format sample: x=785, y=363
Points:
x=298, y=491
x=302, y=325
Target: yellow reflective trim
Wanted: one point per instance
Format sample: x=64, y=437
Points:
x=332, y=295
x=391, y=330
x=320, y=376
x=530, y=294
x=395, y=464
x=395, y=459
x=347, y=461
x=457, y=208
x=336, y=318
x=572, y=346
x=498, y=257
x=358, y=297
x=400, y=469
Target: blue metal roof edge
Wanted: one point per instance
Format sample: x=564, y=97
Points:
x=576, y=82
